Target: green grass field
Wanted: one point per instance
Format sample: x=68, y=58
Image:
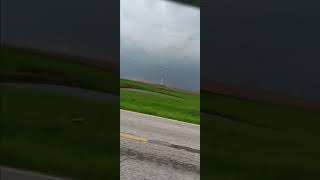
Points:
x=41, y=131
x=29, y=65
x=162, y=102
x=247, y=140
x=38, y=132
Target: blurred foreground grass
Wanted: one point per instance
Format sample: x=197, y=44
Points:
x=247, y=140
x=28, y=65
x=60, y=135
x=55, y=133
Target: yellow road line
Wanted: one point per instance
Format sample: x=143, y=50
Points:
x=128, y=136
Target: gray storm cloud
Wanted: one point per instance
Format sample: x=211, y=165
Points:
x=160, y=36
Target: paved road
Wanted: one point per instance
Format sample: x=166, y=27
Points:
x=158, y=149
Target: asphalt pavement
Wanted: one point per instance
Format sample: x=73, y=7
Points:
x=154, y=148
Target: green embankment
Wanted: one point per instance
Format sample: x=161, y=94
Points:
x=162, y=102
x=247, y=140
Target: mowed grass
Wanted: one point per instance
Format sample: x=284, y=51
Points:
x=27, y=63
x=42, y=132
x=247, y=140
x=60, y=135
x=162, y=101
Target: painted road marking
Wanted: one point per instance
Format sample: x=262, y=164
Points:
x=128, y=136
x=161, y=143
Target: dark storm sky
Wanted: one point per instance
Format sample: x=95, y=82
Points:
x=270, y=45
x=85, y=28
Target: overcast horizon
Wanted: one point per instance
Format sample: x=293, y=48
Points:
x=160, y=42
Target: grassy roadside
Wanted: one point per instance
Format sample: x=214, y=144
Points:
x=38, y=132
x=41, y=131
x=250, y=140
x=162, y=101
x=26, y=65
